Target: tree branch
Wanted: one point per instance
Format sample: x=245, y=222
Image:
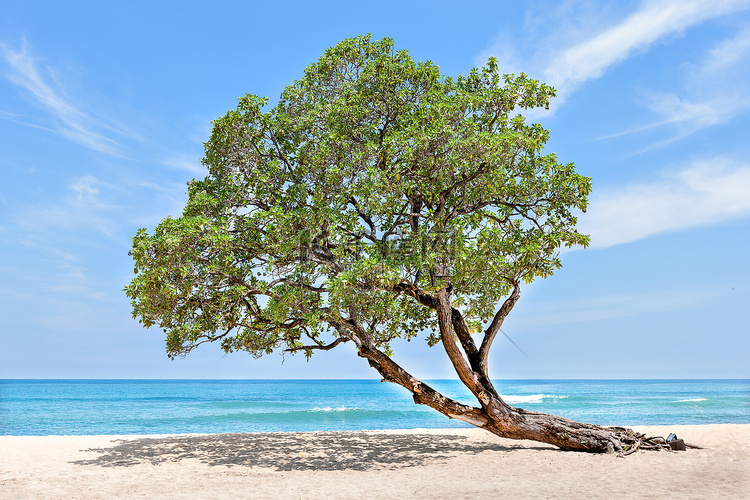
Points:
x=420, y=296
x=297, y=284
x=497, y=322
x=464, y=371
x=319, y=347
x=366, y=218
x=464, y=336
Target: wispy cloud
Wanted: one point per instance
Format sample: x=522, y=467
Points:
x=730, y=53
x=705, y=193
x=568, y=54
x=86, y=208
x=715, y=90
x=67, y=116
x=689, y=116
x=652, y=22
x=85, y=187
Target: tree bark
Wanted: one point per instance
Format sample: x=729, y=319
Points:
x=494, y=415
x=515, y=423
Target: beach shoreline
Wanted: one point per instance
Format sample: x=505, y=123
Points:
x=415, y=463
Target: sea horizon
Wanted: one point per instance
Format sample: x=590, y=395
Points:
x=184, y=406
x=17, y=379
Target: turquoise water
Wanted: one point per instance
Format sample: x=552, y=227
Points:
x=71, y=407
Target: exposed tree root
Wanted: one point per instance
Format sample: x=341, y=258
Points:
x=503, y=420
x=575, y=436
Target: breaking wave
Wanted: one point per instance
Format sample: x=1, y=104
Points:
x=530, y=398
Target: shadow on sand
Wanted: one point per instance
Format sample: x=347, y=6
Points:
x=293, y=451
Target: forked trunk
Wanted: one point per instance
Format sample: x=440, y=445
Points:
x=497, y=417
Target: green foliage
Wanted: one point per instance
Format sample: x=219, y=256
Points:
x=373, y=175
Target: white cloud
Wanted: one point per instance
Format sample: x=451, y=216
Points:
x=587, y=42
x=693, y=115
x=680, y=111
x=708, y=192
x=728, y=54
x=68, y=118
x=654, y=21
x=85, y=187
x=716, y=90
x=86, y=209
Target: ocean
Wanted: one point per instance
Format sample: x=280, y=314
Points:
x=77, y=407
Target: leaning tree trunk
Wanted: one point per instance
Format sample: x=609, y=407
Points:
x=506, y=421
x=470, y=364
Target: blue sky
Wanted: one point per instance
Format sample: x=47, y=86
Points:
x=104, y=107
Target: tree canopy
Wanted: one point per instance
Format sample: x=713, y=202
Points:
x=373, y=181
x=377, y=199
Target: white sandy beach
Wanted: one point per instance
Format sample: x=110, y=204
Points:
x=446, y=463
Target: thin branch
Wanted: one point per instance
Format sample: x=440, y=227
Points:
x=297, y=284
x=324, y=347
x=366, y=218
x=497, y=322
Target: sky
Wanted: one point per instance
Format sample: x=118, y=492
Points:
x=104, y=108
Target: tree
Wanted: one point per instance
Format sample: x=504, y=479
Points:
x=377, y=200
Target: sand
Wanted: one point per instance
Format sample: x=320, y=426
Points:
x=445, y=463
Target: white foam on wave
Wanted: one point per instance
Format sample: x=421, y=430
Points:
x=691, y=400
x=328, y=408
x=530, y=398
